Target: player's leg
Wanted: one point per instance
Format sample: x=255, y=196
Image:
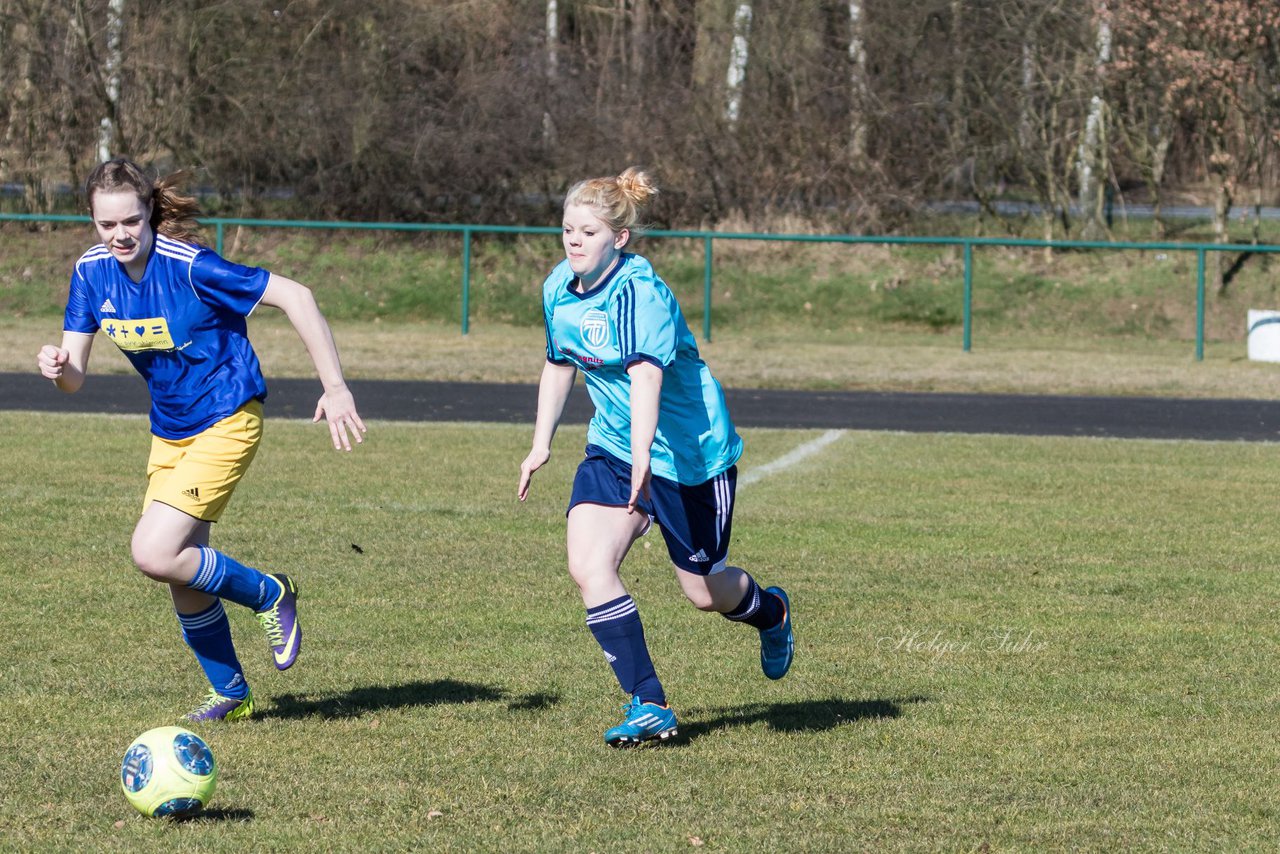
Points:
x=208, y=633
x=165, y=549
x=598, y=539
x=166, y=545
x=190, y=483
x=733, y=593
x=600, y=533
x=697, y=525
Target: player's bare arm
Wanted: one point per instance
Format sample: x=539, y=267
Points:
x=553, y=393
x=66, y=365
x=646, y=393
x=336, y=405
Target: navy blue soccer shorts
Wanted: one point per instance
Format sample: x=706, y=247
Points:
x=696, y=521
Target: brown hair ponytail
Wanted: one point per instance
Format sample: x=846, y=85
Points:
x=172, y=213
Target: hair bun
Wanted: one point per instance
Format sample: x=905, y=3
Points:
x=636, y=185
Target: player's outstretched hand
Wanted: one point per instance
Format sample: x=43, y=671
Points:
x=51, y=360
x=537, y=459
x=339, y=408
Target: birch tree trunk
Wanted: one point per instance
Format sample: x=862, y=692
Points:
x=1092, y=157
x=857, y=86
x=553, y=69
x=108, y=128
x=959, y=102
x=1026, y=132
x=738, y=55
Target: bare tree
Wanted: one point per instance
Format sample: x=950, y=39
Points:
x=856, y=109
x=1092, y=157
x=1214, y=67
x=1146, y=119
x=1044, y=88
x=858, y=88
x=109, y=132
x=553, y=67
x=739, y=52
x=639, y=54
x=958, y=101
x=46, y=132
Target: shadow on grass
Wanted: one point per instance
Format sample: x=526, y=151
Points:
x=804, y=716
x=212, y=815
x=378, y=697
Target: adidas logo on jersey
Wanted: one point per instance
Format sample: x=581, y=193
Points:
x=700, y=557
x=194, y=492
x=107, y=307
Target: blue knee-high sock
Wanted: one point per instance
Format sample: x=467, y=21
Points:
x=617, y=628
x=229, y=579
x=758, y=609
x=209, y=636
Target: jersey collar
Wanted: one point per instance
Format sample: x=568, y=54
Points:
x=623, y=260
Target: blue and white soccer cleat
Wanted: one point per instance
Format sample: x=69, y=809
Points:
x=643, y=722
x=777, y=645
x=280, y=622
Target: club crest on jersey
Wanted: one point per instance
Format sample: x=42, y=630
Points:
x=595, y=328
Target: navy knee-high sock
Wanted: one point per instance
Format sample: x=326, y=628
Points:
x=617, y=628
x=758, y=609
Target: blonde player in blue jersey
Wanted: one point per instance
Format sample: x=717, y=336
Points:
x=177, y=311
x=660, y=447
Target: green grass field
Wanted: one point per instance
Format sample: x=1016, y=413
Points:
x=1003, y=643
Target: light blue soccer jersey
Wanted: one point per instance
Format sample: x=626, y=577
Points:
x=631, y=316
x=182, y=327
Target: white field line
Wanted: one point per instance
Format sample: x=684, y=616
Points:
x=789, y=459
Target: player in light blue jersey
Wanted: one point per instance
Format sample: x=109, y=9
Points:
x=660, y=447
x=177, y=311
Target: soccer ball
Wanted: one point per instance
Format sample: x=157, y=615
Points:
x=168, y=771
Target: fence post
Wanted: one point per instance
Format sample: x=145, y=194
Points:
x=706, y=288
x=217, y=230
x=968, y=295
x=1200, y=304
x=466, y=280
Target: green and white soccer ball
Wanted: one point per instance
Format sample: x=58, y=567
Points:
x=168, y=771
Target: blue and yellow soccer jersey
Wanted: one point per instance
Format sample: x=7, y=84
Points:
x=182, y=327
x=632, y=316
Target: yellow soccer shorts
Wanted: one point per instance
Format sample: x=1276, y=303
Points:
x=198, y=474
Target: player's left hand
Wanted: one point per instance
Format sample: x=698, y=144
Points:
x=339, y=408
x=640, y=476
x=537, y=458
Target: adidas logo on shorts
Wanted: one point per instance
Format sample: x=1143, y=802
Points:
x=192, y=493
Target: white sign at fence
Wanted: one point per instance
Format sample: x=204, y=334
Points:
x=1264, y=335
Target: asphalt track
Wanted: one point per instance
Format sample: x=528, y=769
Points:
x=1030, y=415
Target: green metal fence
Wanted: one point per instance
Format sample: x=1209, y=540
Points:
x=708, y=239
